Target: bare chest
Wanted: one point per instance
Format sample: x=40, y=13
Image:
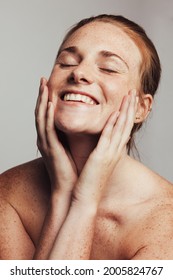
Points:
x=108, y=234
x=111, y=227
x=108, y=237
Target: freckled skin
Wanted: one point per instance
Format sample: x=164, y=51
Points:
x=124, y=223
x=134, y=217
x=109, y=89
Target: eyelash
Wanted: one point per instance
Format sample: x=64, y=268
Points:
x=63, y=65
x=108, y=70
x=66, y=65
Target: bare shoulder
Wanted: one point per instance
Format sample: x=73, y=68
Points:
x=155, y=235
x=24, y=195
x=26, y=187
x=152, y=232
x=151, y=182
x=150, y=219
x=30, y=178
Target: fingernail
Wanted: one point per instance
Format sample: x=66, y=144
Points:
x=43, y=81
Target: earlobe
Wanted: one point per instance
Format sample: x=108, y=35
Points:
x=144, y=107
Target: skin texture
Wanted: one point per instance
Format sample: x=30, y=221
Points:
x=107, y=88
x=91, y=200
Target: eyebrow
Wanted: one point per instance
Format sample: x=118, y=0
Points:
x=111, y=54
x=104, y=53
x=72, y=49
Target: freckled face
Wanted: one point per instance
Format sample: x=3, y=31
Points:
x=96, y=67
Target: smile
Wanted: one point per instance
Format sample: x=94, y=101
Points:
x=78, y=98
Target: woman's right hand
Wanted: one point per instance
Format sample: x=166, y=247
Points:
x=60, y=166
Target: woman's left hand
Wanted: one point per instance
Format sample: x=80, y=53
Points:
x=107, y=153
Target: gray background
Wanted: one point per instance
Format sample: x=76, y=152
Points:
x=30, y=33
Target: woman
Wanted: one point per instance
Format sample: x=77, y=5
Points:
x=86, y=198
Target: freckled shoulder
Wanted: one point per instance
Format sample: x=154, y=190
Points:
x=24, y=195
x=27, y=189
x=30, y=178
x=153, y=237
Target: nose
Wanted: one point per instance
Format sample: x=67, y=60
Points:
x=82, y=74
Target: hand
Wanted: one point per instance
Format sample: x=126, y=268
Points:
x=60, y=166
x=107, y=153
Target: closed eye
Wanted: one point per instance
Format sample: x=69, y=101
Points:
x=63, y=65
x=108, y=70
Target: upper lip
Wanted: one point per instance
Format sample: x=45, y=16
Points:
x=79, y=92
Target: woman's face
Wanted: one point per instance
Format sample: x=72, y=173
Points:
x=97, y=66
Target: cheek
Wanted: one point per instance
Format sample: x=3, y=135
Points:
x=115, y=91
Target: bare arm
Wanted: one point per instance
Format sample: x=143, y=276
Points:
x=15, y=243
x=61, y=169
x=56, y=214
x=69, y=225
x=75, y=237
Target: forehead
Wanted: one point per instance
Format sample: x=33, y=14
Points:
x=98, y=36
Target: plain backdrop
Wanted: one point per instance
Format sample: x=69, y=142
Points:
x=30, y=33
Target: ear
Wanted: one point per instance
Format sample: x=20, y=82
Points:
x=144, y=107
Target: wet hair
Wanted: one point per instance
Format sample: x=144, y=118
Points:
x=150, y=68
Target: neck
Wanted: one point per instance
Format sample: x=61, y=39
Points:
x=81, y=147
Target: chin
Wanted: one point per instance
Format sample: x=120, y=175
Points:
x=77, y=127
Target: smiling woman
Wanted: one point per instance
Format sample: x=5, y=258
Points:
x=86, y=197
x=105, y=74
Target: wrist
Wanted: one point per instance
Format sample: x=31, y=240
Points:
x=85, y=206
x=87, y=195
x=62, y=188
x=59, y=195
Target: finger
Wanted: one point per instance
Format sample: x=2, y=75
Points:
x=129, y=121
x=43, y=82
x=51, y=135
x=120, y=124
x=40, y=117
x=107, y=131
x=38, y=98
x=105, y=137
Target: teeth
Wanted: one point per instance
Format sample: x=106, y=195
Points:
x=79, y=97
